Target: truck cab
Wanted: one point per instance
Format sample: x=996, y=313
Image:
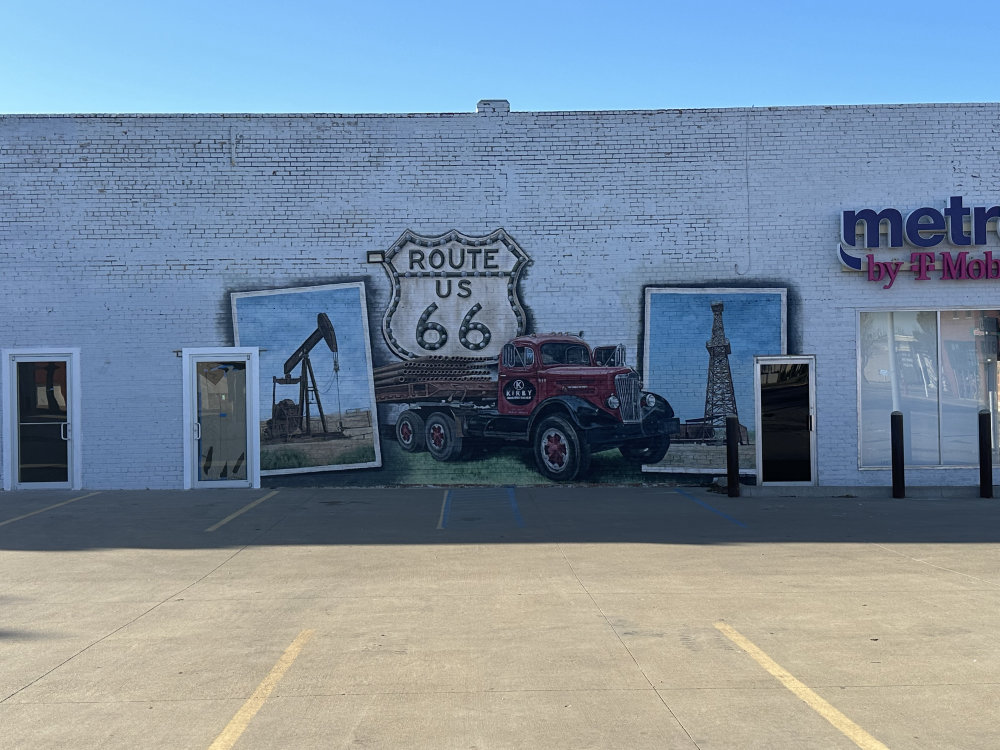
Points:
x=577, y=401
x=536, y=368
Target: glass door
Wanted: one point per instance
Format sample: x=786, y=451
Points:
x=786, y=423
x=221, y=404
x=41, y=407
x=43, y=429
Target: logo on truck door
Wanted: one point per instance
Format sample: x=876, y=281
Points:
x=452, y=295
x=519, y=392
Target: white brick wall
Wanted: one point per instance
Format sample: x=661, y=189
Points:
x=124, y=235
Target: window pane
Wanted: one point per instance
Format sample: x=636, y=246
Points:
x=899, y=372
x=968, y=380
x=786, y=446
x=559, y=353
x=875, y=389
x=43, y=453
x=222, y=418
x=961, y=386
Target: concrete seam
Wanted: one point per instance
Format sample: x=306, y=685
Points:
x=938, y=567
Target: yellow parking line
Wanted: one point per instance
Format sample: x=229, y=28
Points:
x=242, y=510
x=238, y=724
x=50, y=507
x=852, y=731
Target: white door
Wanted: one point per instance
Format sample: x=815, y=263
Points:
x=221, y=418
x=785, y=391
x=41, y=403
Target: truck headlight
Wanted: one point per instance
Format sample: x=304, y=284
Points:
x=650, y=400
x=613, y=402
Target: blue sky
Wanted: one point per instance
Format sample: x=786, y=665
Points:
x=314, y=56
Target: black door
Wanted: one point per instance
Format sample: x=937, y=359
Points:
x=42, y=423
x=786, y=422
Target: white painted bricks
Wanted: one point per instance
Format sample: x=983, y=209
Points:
x=124, y=234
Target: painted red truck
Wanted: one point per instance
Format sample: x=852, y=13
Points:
x=549, y=391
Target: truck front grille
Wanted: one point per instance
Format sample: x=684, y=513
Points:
x=627, y=390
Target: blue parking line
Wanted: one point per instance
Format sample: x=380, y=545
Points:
x=445, y=508
x=513, y=507
x=478, y=506
x=709, y=507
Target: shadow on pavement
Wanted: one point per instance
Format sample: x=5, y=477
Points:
x=429, y=516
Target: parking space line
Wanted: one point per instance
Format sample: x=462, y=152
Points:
x=238, y=724
x=479, y=506
x=852, y=731
x=513, y=507
x=50, y=507
x=445, y=506
x=706, y=506
x=242, y=510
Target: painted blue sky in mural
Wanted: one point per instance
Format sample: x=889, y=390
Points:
x=679, y=324
x=445, y=55
x=280, y=322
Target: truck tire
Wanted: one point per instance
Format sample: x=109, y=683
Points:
x=559, y=452
x=410, y=431
x=646, y=451
x=442, y=438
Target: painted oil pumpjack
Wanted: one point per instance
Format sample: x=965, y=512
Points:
x=291, y=419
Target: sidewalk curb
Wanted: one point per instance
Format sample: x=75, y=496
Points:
x=869, y=492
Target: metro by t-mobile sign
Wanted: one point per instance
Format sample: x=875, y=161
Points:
x=924, y=228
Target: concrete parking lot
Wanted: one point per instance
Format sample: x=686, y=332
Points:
x=567, y=617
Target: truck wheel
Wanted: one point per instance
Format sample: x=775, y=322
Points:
x=443, y=442
x=410, y=431
x=559, y=452
x=646, y=451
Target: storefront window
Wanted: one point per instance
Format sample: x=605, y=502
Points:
x=939, y=370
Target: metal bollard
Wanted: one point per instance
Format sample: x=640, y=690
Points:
x=896, y=441
x=733, y=455
x=985, y=454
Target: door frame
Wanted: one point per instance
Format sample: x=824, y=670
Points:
x=222, y=354
x=71, y=356
x=788, y=359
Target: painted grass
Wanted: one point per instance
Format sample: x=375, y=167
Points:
x=493, y=466
x=292, y=456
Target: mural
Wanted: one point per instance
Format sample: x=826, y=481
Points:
x=699, y=348
x=473, y=397
x=317, y=399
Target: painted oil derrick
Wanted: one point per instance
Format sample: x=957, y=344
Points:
x=720, y=398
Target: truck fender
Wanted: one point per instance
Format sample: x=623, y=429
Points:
x=581, y=413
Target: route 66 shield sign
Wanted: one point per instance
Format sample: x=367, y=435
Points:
x=452, y=295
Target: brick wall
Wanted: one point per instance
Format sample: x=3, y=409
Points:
x=125, y=234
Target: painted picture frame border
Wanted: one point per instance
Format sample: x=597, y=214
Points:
x=648, y=293
x=363, y=303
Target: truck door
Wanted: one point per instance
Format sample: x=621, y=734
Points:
x=517, y=380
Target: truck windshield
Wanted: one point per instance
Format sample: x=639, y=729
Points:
x=560, y=353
